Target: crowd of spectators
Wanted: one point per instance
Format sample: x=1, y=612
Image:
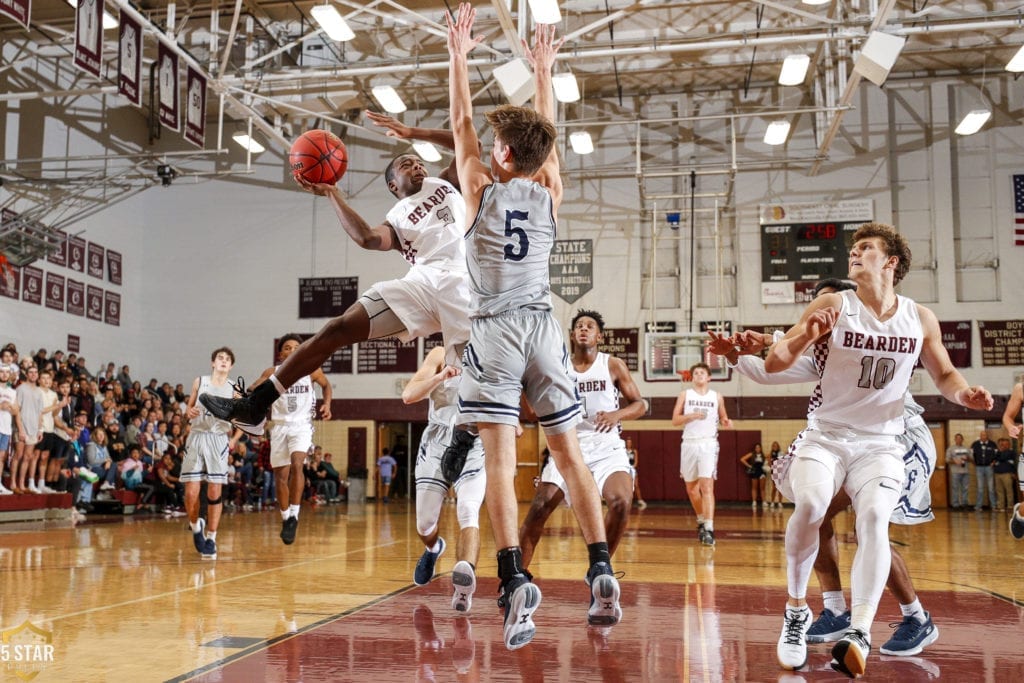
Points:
x=65, y=429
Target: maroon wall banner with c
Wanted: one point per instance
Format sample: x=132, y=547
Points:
x=195, y=107
x=624, y=344
x=957, y=338
x=55, y=291
x=112, y=310
x=60, y=257
x=129, y=59
x=32, y=285
x=94, y=303
x=95, y=267
x=89, y=35
x=10, y=282
x=114, y=266
x=76, y=297
x=19, y=10
x=167, y=85
x=1002, y=342
x=74, y=343
x=76, y=253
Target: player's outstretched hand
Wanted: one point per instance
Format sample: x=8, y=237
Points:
x=603, y=422
x=749, y=342
x=719, y=344
x=821, y=322
x=976, y=398
x=449, y=371
x=319, y=189
x=542, y=54
x=395, y=128
x=460, y=30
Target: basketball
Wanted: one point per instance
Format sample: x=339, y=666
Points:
x=318, y=156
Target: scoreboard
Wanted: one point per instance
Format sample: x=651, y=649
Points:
x=805, y=251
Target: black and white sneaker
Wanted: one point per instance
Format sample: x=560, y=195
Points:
x=708, y=538
x=850, y=654
x=242, y=412
x=288, y=529
x=521, y=600
x=463, y=586
x=604, y=596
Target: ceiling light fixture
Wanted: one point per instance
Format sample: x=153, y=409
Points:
x=1016, y=63
x=545, y=11
x=816, y=2
x=427, y=151
x=581, y=142
x=248, y=143
x=776, y=133
x=109, y=21
x=333, y=24
x=794, y=69
x=389, y=99
x=973, y=121
x=566, y=87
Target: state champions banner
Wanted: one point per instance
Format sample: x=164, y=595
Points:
x=129, y=59
x=195, y=107
x=19, y=10
x=89, y=36
x=167, y=85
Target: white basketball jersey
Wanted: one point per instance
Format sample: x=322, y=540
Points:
x=431, y=226
x=296, y=405
x=443, y=404
x=508, y=249
x=205, y=421
x=707, y=426
x=597, y=393
x=865, y=368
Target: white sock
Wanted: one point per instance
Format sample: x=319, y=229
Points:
x=436, y=548
x=915, y=610
x=709, y=525
x=194, y=526
x=700, y=519
x=835, y=602
x=286, y=513
x=293, y=510
x=212, y=535
x=277, y=384
x=1020, y=512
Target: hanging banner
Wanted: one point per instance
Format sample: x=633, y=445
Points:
x=195, y=107
x=167, y=84
x=129, y=59
x=19, y=10
x=76, y=297
x=1002, y=342
x=624, y=344
x=55, y=292
x=94, y=303
x=32, y=279
x=60, y=257
x=76, y=254
x=112, y=310
x=95, y=260
x=571, y=268
x=89, y=35
x=10, y=282
x=113, y=266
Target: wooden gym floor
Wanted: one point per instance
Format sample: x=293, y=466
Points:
x=128, y=599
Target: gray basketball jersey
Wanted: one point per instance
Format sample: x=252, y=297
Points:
x=206, y=421
x=508, y=248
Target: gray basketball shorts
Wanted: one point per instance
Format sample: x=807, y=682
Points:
x=206, y=458
x=514, y=353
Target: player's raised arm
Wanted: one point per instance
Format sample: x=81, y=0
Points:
x=373, y=238
x=542, y=57
x=437, y=136
x=817, y=320
x=428, y=376
x=473, y=175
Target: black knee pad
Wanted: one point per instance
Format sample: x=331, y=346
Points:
x=214, y=501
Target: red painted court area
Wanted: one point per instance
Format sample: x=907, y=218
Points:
x=670, y=632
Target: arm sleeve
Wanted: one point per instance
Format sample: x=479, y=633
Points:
x=801, y=371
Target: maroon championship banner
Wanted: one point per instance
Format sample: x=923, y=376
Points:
x=76, y=253
x=89, y=35
x=94, y=303
x=624, y=344
x=112, y=309
x=60, y=257
x=167, y=84
x=956, y=337
x=195, y=107
x=55, y=292
x=95, y=260
x=32, y=285
x=76, y=297
x=113, y=266
x=19, y=10
x=1002, y=342
x=74, y=343
x=129, y=59
x=338, y=362
x=10, y=282
x=387, y=355
x=434, y=340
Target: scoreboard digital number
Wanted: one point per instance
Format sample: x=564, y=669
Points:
x=805, y=251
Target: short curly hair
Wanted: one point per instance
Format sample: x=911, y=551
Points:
x=895, y=245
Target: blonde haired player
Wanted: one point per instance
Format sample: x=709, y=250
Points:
x=700, y=410
x=291, y=437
